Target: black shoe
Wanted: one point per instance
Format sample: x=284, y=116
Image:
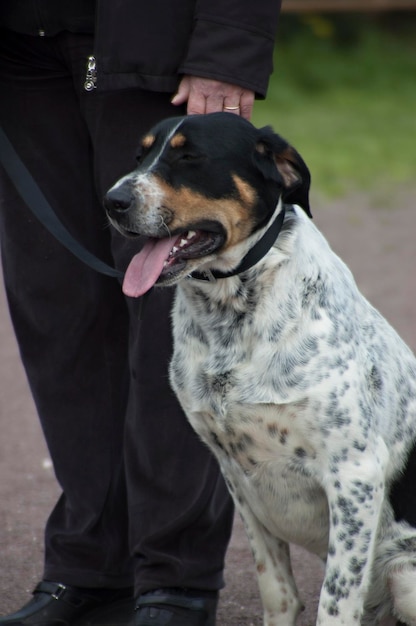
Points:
x=176, y=607
x=54, y=604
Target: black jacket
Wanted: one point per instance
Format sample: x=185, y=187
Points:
x=150, y=43
x=147, y=43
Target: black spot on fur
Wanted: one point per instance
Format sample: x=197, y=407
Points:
x=300, y=453
x=215, y=441
x=375, y=380
x=336, y=585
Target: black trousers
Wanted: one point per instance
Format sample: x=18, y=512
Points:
x=142, y=499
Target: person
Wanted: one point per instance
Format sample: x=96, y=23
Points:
x=144, y=518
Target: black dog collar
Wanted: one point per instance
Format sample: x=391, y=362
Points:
x=253, y=256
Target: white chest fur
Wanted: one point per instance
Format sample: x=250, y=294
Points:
x=259, y=429
x=287, y=377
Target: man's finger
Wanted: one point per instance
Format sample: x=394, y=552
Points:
x=247, y=104
x=196, y=104
x=182, y=95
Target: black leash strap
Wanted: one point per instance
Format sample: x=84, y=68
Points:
x=40, y=207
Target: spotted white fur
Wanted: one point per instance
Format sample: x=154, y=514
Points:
x=302, y=390
x=308, y=399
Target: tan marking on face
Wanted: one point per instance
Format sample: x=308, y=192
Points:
x=246, y=191
x=178, y=140
x=148, y=141
x=261, y=148
x=188, y=207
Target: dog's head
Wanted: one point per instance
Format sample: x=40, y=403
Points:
x=203, y=185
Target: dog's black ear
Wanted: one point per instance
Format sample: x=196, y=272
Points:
x=289, y=164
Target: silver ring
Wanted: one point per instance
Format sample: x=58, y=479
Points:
x=232, y=108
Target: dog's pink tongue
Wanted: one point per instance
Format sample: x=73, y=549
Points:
x=146, y=266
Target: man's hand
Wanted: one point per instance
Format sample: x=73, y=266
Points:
x=204, y=95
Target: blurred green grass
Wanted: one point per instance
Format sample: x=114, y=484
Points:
x=343, y=93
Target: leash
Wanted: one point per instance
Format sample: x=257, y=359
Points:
x=40, y=207
x=253, y=256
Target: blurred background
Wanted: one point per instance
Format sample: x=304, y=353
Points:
x=343, y=92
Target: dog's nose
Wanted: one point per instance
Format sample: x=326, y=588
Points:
x=118, y=200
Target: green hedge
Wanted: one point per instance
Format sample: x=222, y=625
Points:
x=344, y=93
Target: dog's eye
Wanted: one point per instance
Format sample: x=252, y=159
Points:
x=189, y=156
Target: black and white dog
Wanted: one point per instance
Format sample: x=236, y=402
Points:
x=302, y=390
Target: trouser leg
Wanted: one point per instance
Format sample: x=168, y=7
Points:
x=180, y=513
x=71, y=323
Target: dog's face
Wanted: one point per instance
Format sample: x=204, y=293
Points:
x=203, y=184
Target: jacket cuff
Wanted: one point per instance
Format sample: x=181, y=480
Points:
x=233, y=55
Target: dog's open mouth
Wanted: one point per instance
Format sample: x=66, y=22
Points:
x=162, y=260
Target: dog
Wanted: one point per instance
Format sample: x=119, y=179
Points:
x=302, y=390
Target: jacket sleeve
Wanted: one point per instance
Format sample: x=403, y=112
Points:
x=233, y=41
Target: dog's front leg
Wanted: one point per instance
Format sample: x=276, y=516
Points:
x=355, y=491
x=277, y=587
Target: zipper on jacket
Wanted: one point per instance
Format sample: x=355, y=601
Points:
x=91, y=76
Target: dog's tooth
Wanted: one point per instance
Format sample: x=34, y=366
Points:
x=191, y=233
x=183, y=242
